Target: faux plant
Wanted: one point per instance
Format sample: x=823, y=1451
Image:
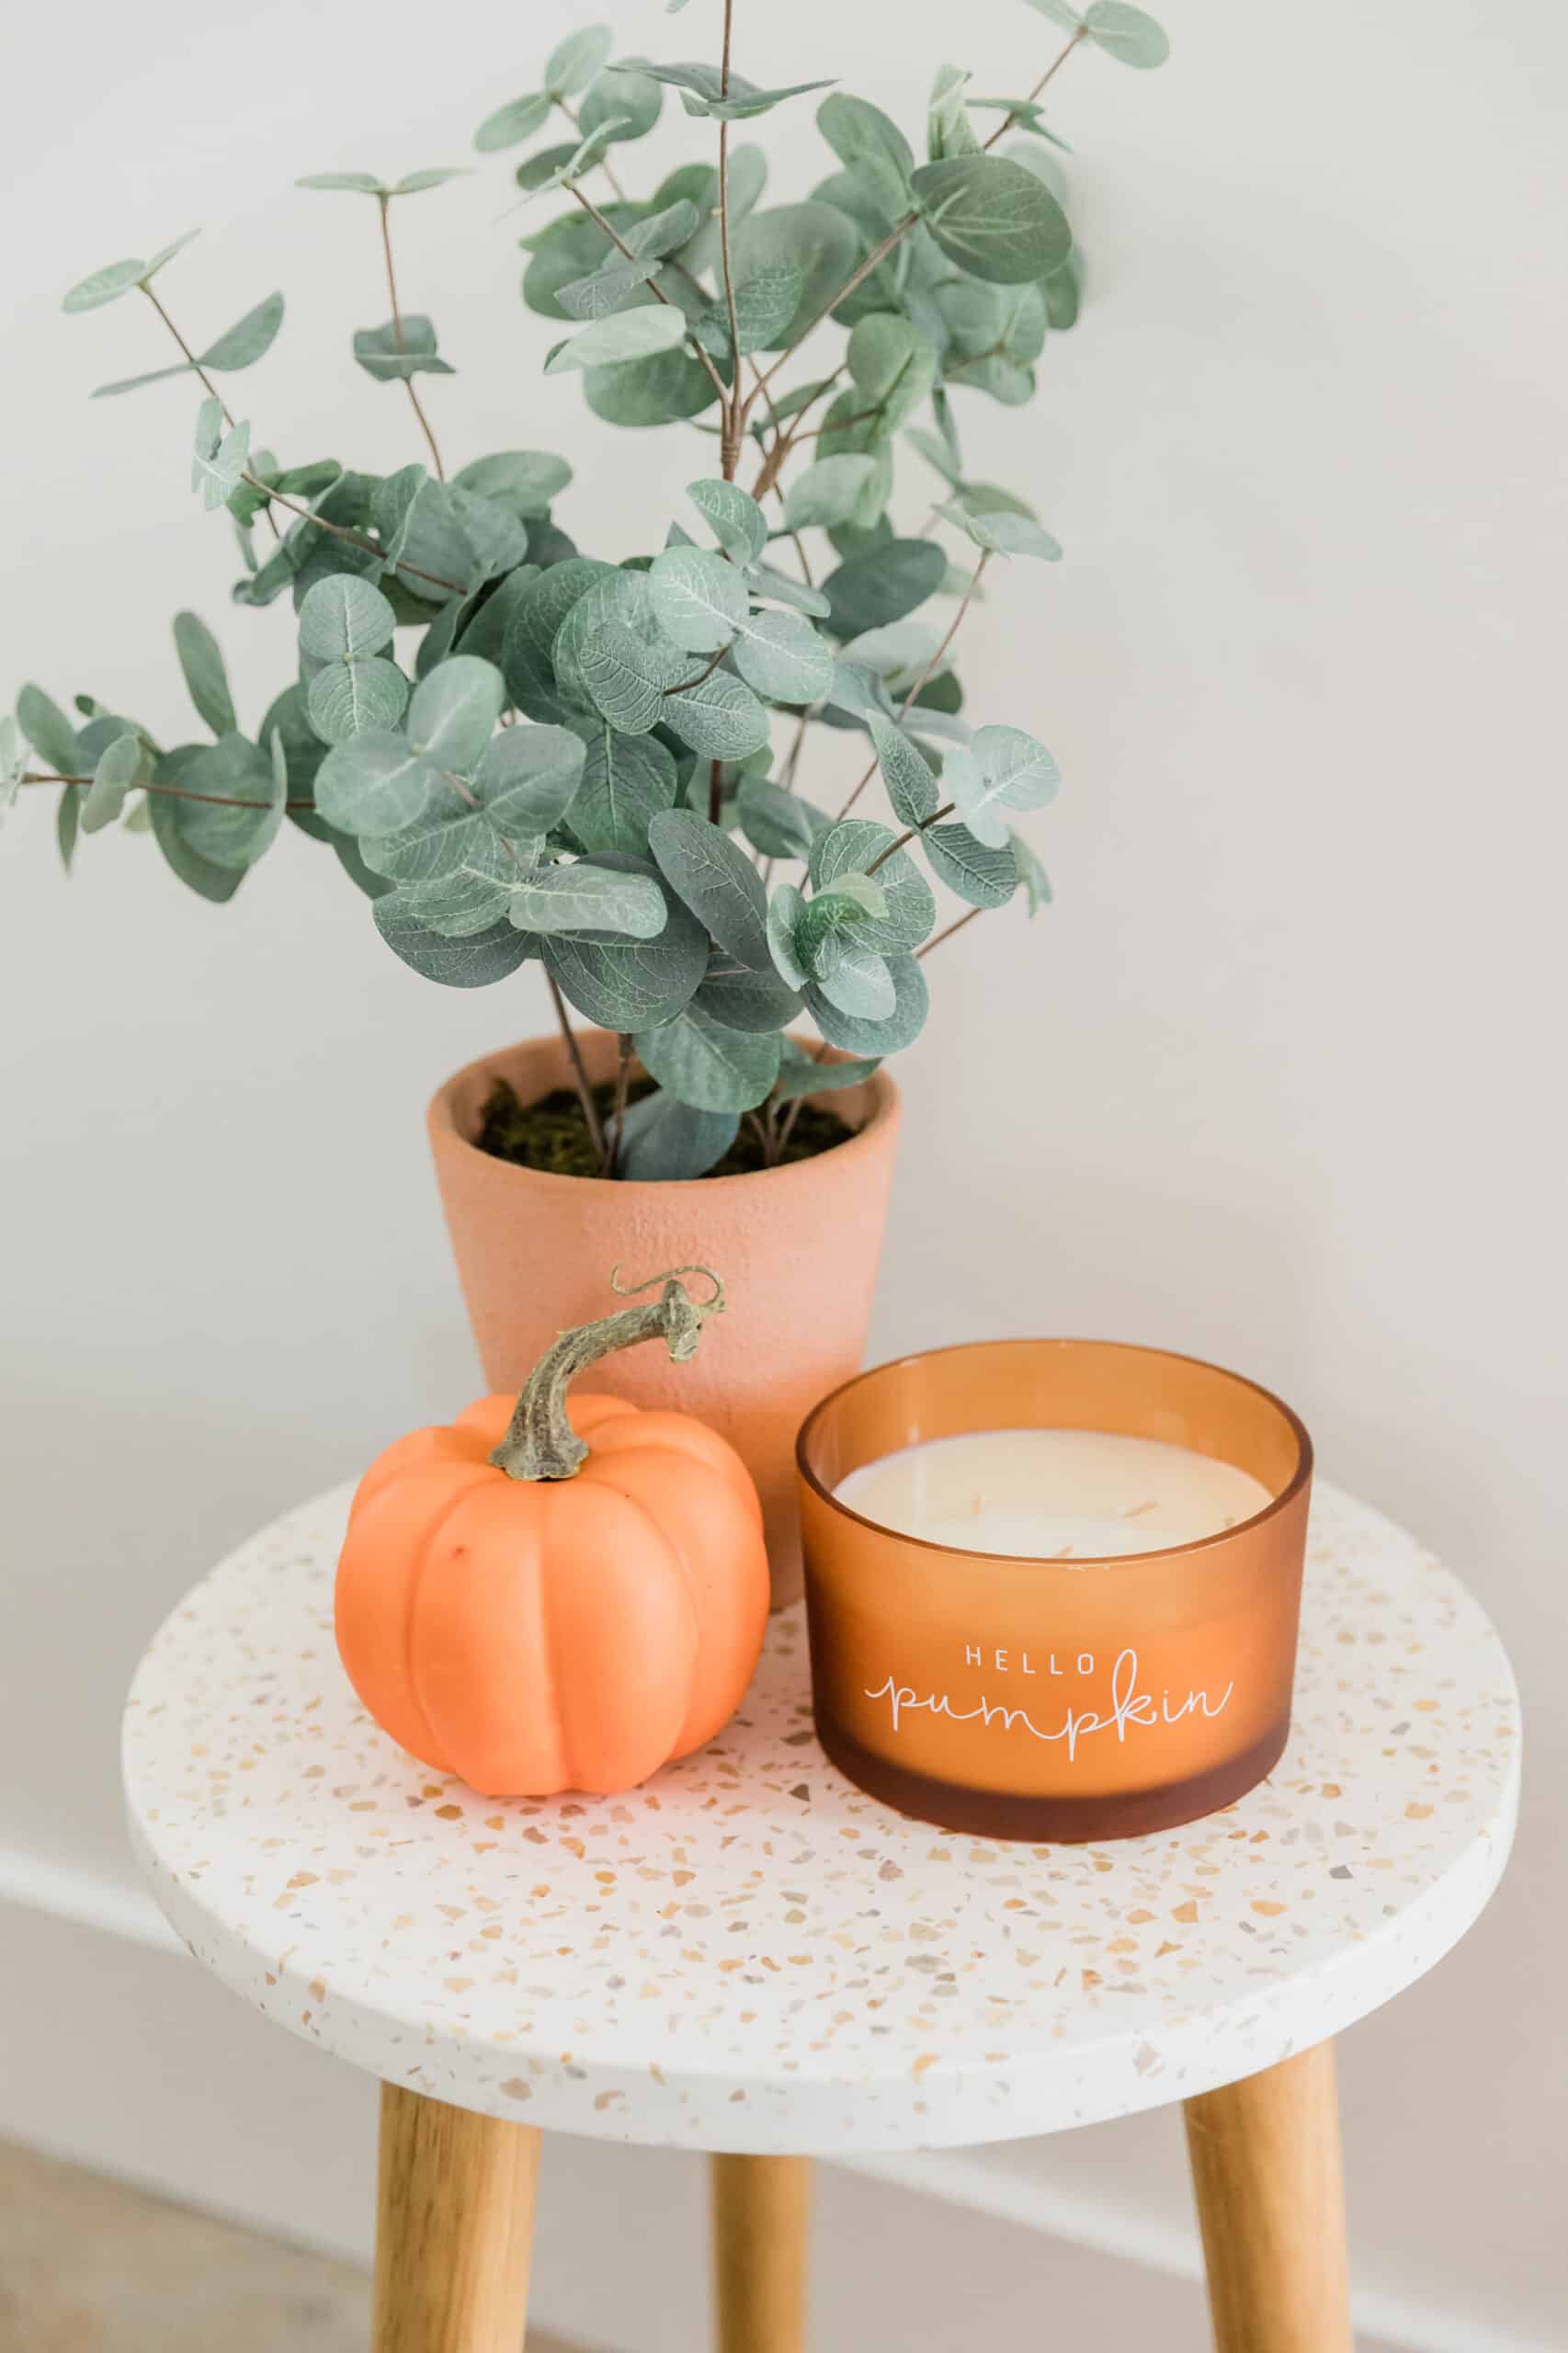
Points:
x=519, y=751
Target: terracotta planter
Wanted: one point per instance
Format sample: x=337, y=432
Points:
x=796, y=1246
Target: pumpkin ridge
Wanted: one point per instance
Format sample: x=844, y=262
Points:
x=433, y=1751
x=442, y=1536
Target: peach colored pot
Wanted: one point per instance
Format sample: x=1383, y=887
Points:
x=797, y=1247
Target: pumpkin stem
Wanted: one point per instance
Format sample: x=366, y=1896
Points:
x=540, y=1442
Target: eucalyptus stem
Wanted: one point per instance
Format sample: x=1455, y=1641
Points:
x=570, y=113
x=951, y=931
x=210, y=387
x=592, y=210
x=354, y=539
x=169, y=792
x=913, y=835
x=622, y=1080
x=579, y=1072
x=413, y=399
x=734, y=411
x=924, y=681
x=540, y=1442
x=1055, y=66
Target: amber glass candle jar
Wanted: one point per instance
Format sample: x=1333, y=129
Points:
x=1053, y=1699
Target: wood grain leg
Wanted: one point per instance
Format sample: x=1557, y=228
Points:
x=1266, y=2169
x=454, y=2228
x=761, y=2217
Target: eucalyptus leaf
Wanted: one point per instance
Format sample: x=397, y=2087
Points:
x=625, y=104
x=233, y=771
x=827, y=492
x=609, y=288
x=105, y=285
x=68, y=822
x=892, y=366
x=905, y=913
x=415, y=183
x=355, y=183
x=401, y=348
x=528, y=779
x=704, y=90
x=1002, y=768
x=854, y=978
x=785, y=913
x=527, y=649
x=578, y=60
x=858, y=1036
x=347, y=699
x=624, y=670
x=629, y=984
x=870, y=143
x=584, y=897
x=664, y=1142
x=735, y=518
x=460, y=905
x=719, y=720
x=883, y=585
x=118, y=767
x=472, y=963
x=522, y=481
x=700, y=598
x=986, y=878
x=777, y=588
x=701, y=1063
x=812, y=238
x=168, y=816
x=764, y=303
x=949, y=130
x=626, y=334
x=715, y=881
x=454, y=712
x=343, y=619
x=1130, y=35
x=808, y=1076
x=219, y=458
x=589, y=152
x=510, y=124
x=1032, y=875
x=1002, y=533
x=202, y=662
x=667, y=389
x=48, y=730
x=375, y=784
x=446, y=838
x=627, y=781
x=783, y=657
x=248, y=340
x=776, y=823
x=911, y=786
x=993, y=218
x=755, y=1002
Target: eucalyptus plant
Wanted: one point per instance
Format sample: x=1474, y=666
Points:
x=519, y=751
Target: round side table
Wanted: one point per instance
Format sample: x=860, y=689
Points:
x=750, y=1957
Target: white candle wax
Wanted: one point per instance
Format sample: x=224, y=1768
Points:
x=1052, y=1494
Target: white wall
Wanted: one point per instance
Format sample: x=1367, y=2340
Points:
x=1277, y=1080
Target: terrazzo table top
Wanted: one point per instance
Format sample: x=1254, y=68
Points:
x=748, y=1953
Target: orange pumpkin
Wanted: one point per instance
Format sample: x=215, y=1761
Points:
x=541, y=1597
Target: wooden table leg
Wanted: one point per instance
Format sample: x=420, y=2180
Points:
x=761, y=2214
x=454, y=2228
x=1266, y=2169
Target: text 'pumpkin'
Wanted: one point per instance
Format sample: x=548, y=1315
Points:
x=541, y=1597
